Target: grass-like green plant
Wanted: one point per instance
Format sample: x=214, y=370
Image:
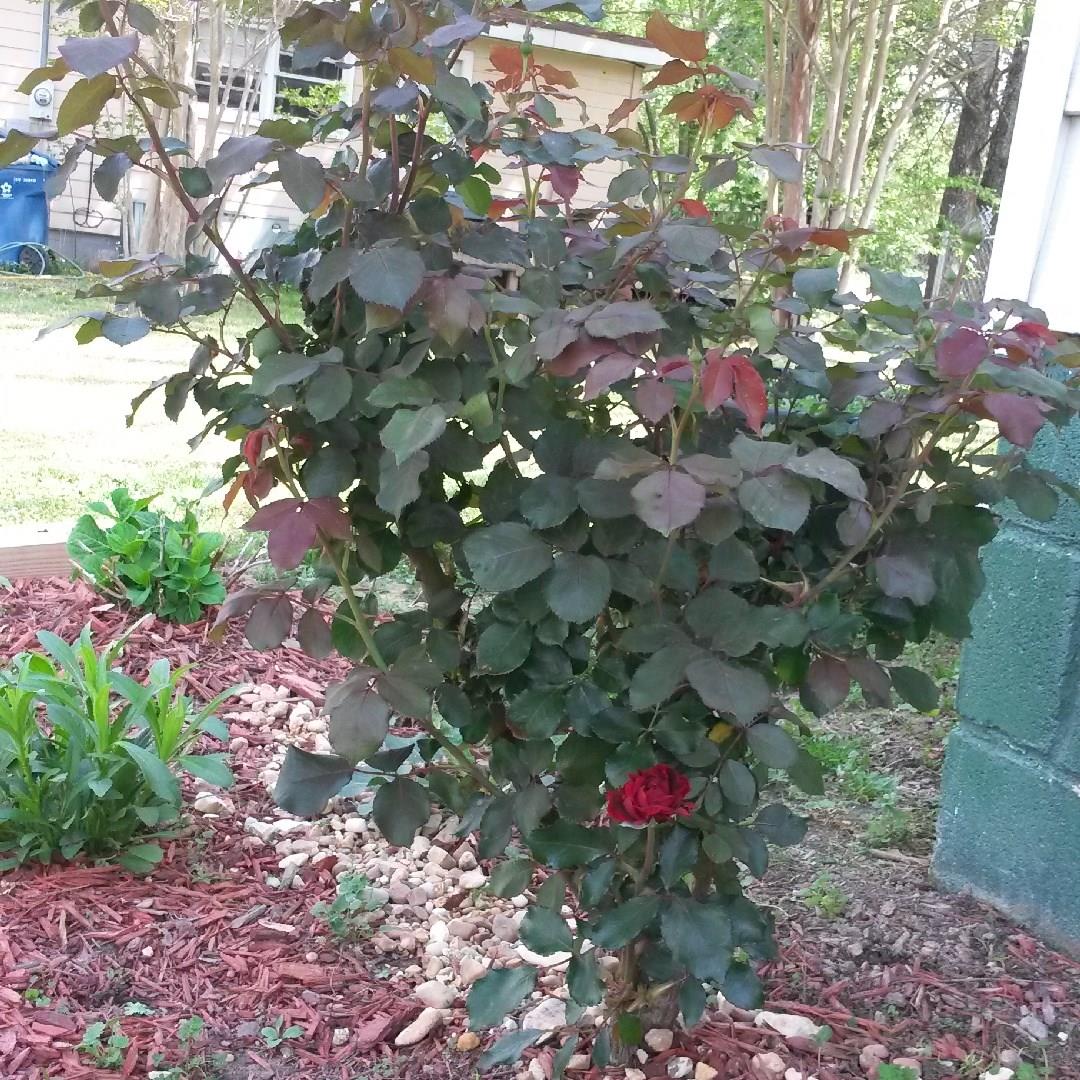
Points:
x=155, y=563
x=89, y=756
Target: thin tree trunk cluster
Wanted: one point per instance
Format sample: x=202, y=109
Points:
x=844, y=80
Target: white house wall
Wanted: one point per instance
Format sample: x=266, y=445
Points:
x=1038, y=231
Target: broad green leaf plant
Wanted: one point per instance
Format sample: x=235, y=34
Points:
x=654, y=475
x=147, y=559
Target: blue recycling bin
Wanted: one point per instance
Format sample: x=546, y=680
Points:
x=24, y=205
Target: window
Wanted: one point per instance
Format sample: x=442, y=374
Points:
x=237, y=85
x=299, y=93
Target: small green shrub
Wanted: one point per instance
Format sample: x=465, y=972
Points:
x=88, y=756
x=104, y=1044
x=890, y=827
x=154, y=562
x=346, y=914
x=824, y=896
x=848, y=761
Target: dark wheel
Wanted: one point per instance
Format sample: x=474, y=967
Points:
x=32, y=260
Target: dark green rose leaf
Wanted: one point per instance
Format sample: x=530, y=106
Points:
x=583, y=980
x=698, y=935
x=578, y=589
x=545, y=932
x=503, y=647
x=915, y=687
x=772, y=746
x=498, y=993
x=400, y=808
x=622, y=924
x=308, y=781
x=506, y=556
x=565, y=845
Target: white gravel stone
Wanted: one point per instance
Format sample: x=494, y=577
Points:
x=462, y=929
x=704, y=1071
x=659, y=1039
x=504, y=928
x=470, y=970
x=420, y=1028
x=678, y=1068
x=634, y=1074
x=473, y=879
x=435, y=994
x=549, y=1015
x=213, y=804
x=340, y=1036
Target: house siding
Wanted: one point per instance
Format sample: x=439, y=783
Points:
x=603, y=83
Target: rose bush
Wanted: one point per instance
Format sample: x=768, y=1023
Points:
x=654, y=475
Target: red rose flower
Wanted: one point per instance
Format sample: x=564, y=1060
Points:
x=654, y=794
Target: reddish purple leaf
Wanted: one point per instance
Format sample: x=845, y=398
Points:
x=268, y=516
x=874, y=680
x=675, y=367
x=827, y=684
x=654, y=399
x=329, y=515
x=269, y=623
x=607, y=371
x=290, y=540
x=1018, y=417
x=959, y=354
x=577, y=354
x=564, y=180
x=314, y=634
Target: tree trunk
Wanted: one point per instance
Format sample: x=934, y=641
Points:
x=997, y=154
x=958, y=203
x=800, y=101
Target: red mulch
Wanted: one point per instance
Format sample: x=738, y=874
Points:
x=231, y=950
x=205, y=936
x=65, y=607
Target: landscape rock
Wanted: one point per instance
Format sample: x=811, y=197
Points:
x=871, y=1056
x=704, y=1071
x=461, y=929
x=467, y=1040
x=678, y=1068
x=1033, y=1027
x=210, y=803
x=504, y=928
x=578, y=1063
x=659, y=1039
x=768, y=1066
x=549, y=1015
x=790, y=1025
x=420, y=1028
x=471, y=969
x=908, y=1063
x=435, y=994
x=473, y=879
x=1002, y=1072
x=634, y=1074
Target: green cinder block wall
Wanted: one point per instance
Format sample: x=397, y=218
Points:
x=1009, y=823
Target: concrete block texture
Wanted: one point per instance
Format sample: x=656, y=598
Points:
x=1020, y=669
x=1009, y=834
x=1009, y=824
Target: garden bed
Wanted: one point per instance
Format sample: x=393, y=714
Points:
x=214, y=958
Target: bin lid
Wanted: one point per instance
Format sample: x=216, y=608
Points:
x=34, y=159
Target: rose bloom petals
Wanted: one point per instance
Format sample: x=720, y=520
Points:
x=658, y=793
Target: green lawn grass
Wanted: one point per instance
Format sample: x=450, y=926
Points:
x=63, y=433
